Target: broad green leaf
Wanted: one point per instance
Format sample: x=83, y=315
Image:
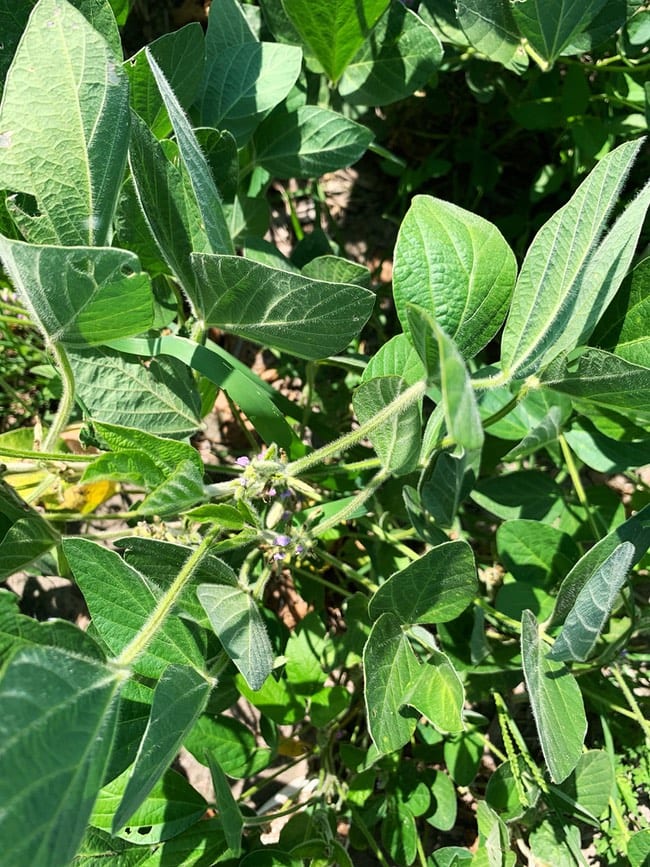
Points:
x=334, y=269
x=205, y=191
x=179, y=698
x=556, y=702
x=555, y=841
x=13, y=19
x=397, y=442
x=243, y=83
x=494, y=840
x=308, y=142
x=135, y=709
x=603, y=454
x=336, y=30
x=231, y=742
x=593, y=604
x=229, y=812
x=121, y=602
x=119, y=389
x=24, y=534
x=180, y=58
x=389, y=666
x=457, y=267
x=309, y=318
x=434, y=589
x=446, y=806
x=227, y=26
x=523, y=494
x=462, y=753
x=80, y=295
x=165, y=454
x=638, y=848
x=546, y=432
x=399, y=833
x=437, y=693
x=397, y=357
x=168, y=204
x=623, y=329
x=604, y=379
x=275, y=700
x=536, y=553
x=490, y=28
x=263, y=405
x=605, y=24
x=59, y=713
x=550, y=25
x=398, y=57
x=528, y=414
x=304, y=652
x=98, y=846
x=73, y=159
x=171, y=806
x=570, y=275
x=238, y=625
x=591, y=783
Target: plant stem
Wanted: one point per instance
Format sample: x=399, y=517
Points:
x=67, y=397
x=358, y=500
x=577, y=484
x=408, y=397
x=60, y=457
x=631, y=700
x=165, y=604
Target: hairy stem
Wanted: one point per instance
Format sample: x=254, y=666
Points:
x=67, y=397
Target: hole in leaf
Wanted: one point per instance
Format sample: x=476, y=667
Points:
x=127, y=271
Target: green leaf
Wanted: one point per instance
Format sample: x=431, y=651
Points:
x=171, y=806
x=228, y=26
x=120, y=390
x=231, y=742
x=461, y=411
x=229, y=812
x=120, y=602
x=304, y=653
x=73, y=159
x=623, y=329
x=309, y=318
x=433, y=589
x=603, y=454
x=546, y=432
x=556, y=702
x=51, y=698
x=98, y=846
x=168, y=204
x=437, y=693
x=523, y=494
x=604, y=379
x=80, y=295
x=593, y=604
x=308, y=142
x=399, y=833
x=529, y=414
x=591, y=783
x=238, y=625
x=24, y=534
x=457, y=267
x=445, y=482
x=205, y=191
x=180, y=58
x=569, y=275
x=536, y=553
x=102, y=17
x=550, y=25
x=179, y=698
x=164, y=454
x=243, y=84
x=334, y=31
x=638, y=848
x=389, y=666
x=397, y=357
x=397, y=442
x=334, y=269
x=400, y=55
x=490, y=28
x=262, y=404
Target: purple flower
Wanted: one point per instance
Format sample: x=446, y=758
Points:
x=282, y=540
x=243, y=461
x=271, y=492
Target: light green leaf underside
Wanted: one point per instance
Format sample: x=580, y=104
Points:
x=399, y=56
x=334, y=30
x=121, y=602
x=58, y=717
x=202, y=183
x=437, y=693
x=309, y=318
x=120, y=390
x=80, y=295
x=397, y=442
x=565, y=283
x=585, y=620
x=457, y=267
x=389, y=666
x=179, y=698
x=555, y=697
x=623, y=329
x=238, y=625
x=69, y=149
x=434, y=589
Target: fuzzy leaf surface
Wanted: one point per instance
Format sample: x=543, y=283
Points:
x=550, y=25
x=397, y=442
